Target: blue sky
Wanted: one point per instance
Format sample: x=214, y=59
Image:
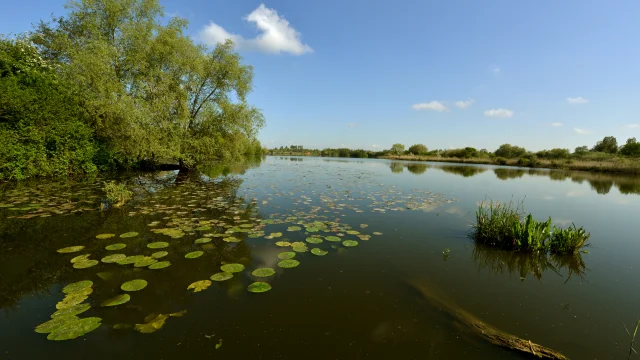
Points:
x=454, y=73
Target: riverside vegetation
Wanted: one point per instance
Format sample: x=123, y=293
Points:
x=111, y=85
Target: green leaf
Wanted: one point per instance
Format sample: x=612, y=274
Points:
x=77, y=286
x=158, y=245
x=71, y=310
x=194, y=254
x=118, y=300
x=134, y=285
x=70, y=249
x=75, y=329
x=159, y=254
x=286, y=264
x=85, y=264
x=113, y=258
x=160, y=265
x=221, y=276
x=199, y=285
x=105, y=236
x=333, y=238
x=350, y=243
x=202, y=241
x=129, y=234
x=232, y=268
x=314, y=240
x=259, y=287
x=286, y=255
x=113, y=247
x=55, y=323
x=319, y=252
x=263, y=272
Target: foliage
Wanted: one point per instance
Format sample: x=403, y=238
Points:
x=397, y=149
x=631, y=148
x=510, y=151
x=554, y=154
x=581, y=149
x=418, y=149
x=608, y=145
x=504, y=225
x=117, y=194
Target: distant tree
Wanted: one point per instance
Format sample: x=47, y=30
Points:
x=631, y=148
x=553, y=154
x=510, y=151
x=581, y=149
x=608, y=145
x=397, y=149
x=418, y=149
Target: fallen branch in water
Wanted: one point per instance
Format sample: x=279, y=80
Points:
x=486, y=331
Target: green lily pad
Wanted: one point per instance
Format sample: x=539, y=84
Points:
x=145, y=262
x=130, y=260
x=159, y=254
x=194, y=254
x=134, y=285
x=105, y=236
x=221, y=276
x=350, y=243
x=319, y=252
x=333, y=238
x=294, y=228
x=259, y=287
x=232, y=268
x=263, y=272
x=70, y=249
x=286, y=255
x=113, y=247
x=246, y=226
x=113, y=258
x=199, y=285
x=75, y=329
x=377, y=233
x=300, y=248
x=287, y=264
x=55, y=323
x=77, y=286
x=158, y=245
x=283, y=243
x=118, y=300
x=129, y=234
x=275, y=234
x=353, y=232
x=71, y=300
x=203, y=228
x=313, y=240
x=312, y=229
x=202, y=241
x=231, y=239
x=80, y=258
x=160, y=265
x=71, y=310
x=85, y=264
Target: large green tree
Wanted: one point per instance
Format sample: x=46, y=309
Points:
x=608, y=145
x=151, y=92
x=418, y=149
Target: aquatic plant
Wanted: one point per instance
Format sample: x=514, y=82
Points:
x=504, y=225
x=633, y=338
x=117, y=194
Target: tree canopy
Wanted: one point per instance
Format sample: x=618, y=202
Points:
x=418, y=149
x=608, y=145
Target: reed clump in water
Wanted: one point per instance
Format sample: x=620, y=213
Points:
x=504, y=225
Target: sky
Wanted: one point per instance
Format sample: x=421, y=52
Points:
x=446, y=73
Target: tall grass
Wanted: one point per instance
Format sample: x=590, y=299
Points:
x=504, y=225
x=633, y=338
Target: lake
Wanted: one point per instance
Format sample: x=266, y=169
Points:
x=379, y=227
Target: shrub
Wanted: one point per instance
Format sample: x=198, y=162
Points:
x=501, y=161
x=117, y=194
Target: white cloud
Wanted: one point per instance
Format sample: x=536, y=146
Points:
x=352, y=125
x=501, y=113
x=496, y=70
x=633, y=126
x=276, y=35
x=577, y=100
x=582, y=131
x=433, y=105
x=375, y=146
x=556, y=124
x=464, y=104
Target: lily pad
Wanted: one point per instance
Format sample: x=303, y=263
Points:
x=294, y=228
x=300, y=248
x=319, y=252
x=130, y=260
x=158, y=245
x=160, y=265
x=80, y=258
x=199, y=285
x=70, y=301
x=145, y=262
x=105, y=236
x=152, y=323
x=232, y=268
x=113, y=258
x=259, y=287
x=159, y=254
x=263, y=272
x=118, y=300
x=74, y=329
x=283, y=243
x=287, y=264
x=202, y=241
x=129, y=234
x=231, y=239
x=312, y=229
x=70, y=249
x=314, y=240
x=286, y=255
x=350, y=243
x=55, y=323
x=77, y=286
x=203, y=228
x=377, y=233
x=275, y=234
x=71, y=310
x=84, y=292
x=85, y=264
x=221, y=276
x=113, y=247
x=134, y=285
x=194, y=254
x=333, y=238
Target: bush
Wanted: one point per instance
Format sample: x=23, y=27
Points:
x=117, y=194
x=418, y=149
x=501, y=161
x=510, y=151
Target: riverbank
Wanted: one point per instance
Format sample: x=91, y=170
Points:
x=614, y=165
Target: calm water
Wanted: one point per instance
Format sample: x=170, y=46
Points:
x=353, y=303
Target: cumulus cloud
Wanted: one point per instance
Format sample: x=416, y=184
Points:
x=464, y=104
x=577, y=100
x=352, y=125
x=582, y=131
x=556, y=124
x=433, y=105
x=276, y=34
x=499, y=113
x=633, y=126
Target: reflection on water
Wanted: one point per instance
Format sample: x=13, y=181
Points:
x=501, y=262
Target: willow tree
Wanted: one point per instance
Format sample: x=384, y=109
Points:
x=153, y=94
